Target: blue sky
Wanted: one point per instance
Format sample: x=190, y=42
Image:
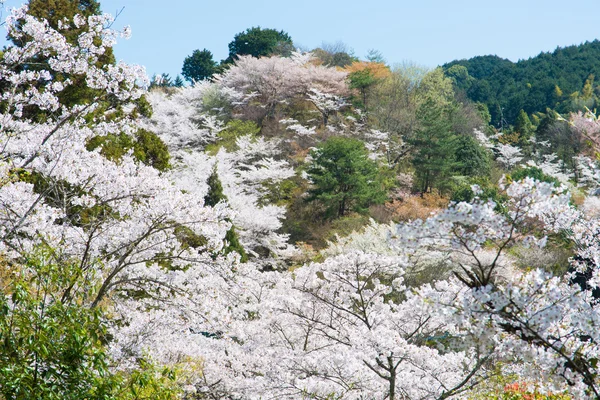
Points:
x=427, y=32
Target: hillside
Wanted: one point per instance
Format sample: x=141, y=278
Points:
x=550, y=80
x=288, y=229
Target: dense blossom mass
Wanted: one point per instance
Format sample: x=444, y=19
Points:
x=209, y=276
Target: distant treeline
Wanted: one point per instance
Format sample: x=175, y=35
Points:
x=562, y=80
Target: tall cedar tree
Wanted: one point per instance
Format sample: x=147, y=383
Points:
x=435, y=147
x=344, y=178
x=214, y=196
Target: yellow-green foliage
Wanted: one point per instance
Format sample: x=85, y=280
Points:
x=346, y=225
x=53, y=344
x=228, y=136
x=150, y=382
x=281, y=193
x=147, y=148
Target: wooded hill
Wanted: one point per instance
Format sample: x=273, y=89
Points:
x=562, y=80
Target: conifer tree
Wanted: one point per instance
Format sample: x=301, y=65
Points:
x=588, y=88
x=525, y=129
x=198, y=66
x=344, y=178
x=178, y=82
x=215, y=190
x=55, y=11
x=214, y=196
x=435, y=147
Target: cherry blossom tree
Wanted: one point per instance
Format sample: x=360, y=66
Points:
x=269, y=81
x=122, y=225
x=141, y=245
x=181, y=120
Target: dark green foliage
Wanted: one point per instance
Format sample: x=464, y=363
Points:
x=59, y=194
x=188, y=238
x=142, y=108
x=525, y=130
x=77, y=93
x=535, y=173
x=199, y=66
x=471, y=158
x=214, y=196
x=561, y=80
x=460, y=76
x=234, y=245
x=344, y=178
x=54, y=11
x=162, y=81
x=435, y=146
x=362, y=80
x=147, y=148
x=484, y=112
x=489, y=191
x=165, y=81
x=563, y=141
x=215, y=190
x=178, y=82
x=259, y=42
x=151, y=150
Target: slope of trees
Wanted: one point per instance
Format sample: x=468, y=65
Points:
x=561, y=80
x=285, y=231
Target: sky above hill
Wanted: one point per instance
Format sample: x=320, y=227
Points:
x=426, y=32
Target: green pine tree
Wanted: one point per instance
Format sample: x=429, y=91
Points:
x=344, y=178
x=471, y=158
x=435, y=147
x=214, y=196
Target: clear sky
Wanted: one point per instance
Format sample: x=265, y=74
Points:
x=427, y=32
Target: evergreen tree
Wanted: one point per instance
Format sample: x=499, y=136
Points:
x=198, y=66
x=344, y=178
x=163, y=80
x=214, y=196
x=435, y=147
x=55, y=11
x=362, y=80
x=562, y=80
x=471, y=158
x=588, y=88
x=147, y=148
x=525, y=130
x=215, y=190
x=259, y=42
x=178, y=82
